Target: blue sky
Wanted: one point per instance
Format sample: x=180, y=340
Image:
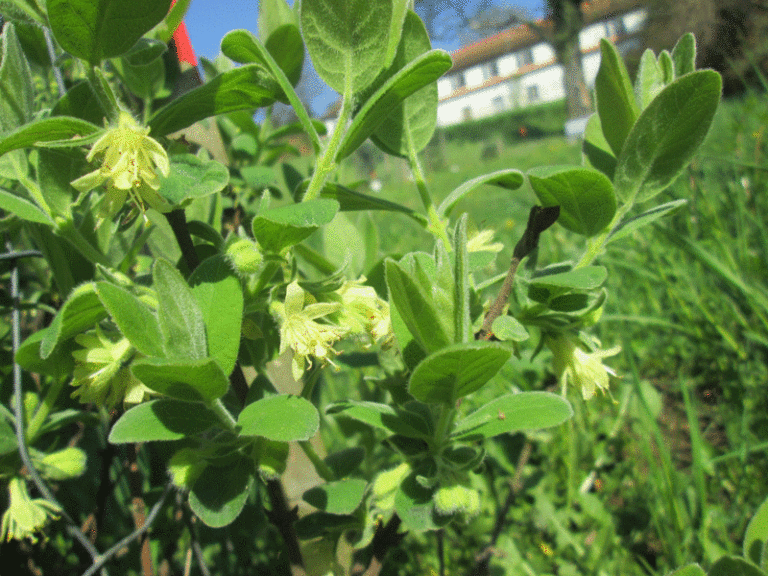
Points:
x=209, y=20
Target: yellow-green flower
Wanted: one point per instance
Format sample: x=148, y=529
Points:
x=583, y=369
x=363, y=312
x=25, y=516
x=300, y=332
x=131, y=164
x=101, y=373
x=481, y=242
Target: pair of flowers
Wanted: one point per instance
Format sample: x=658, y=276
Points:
x=355, y=309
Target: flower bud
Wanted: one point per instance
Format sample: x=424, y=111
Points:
x=244, y=256
x=456, y=499
x=63, y=464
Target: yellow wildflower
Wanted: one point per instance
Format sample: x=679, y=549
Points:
x=584, y=369
x=481, y=242
x=300, y=332
x=363, y=312
x=132, y=163
x=25, y=516
x=101, y=373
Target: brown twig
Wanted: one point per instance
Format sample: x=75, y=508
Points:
x=178, y=221
x=284, y=520
x=539, y=219
x=138, y=509
x=385, y=538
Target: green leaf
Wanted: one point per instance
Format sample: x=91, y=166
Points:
x=666, y=135
x=432, y=328
x=23, y=209
x=417, y=74
x=461, y=301
x=512, y=413
x=244, y=88
x=348, y=51
x=7, y=437
x=59, y=363
x=345, y=461
x=52, y=132
x=734, y=566
x=181, y=321
x=649, y=81
x=384, y=417
x=80, y=102
x=192, y=177
x=585, y=278
x=287, y=48
x=242, y=46
x=457, y=370
x=349, y=200
x=142, y=68
x=189, y=380
x=615, y=98
x=283, y=418
x=413, y=122
x=272, y=15
x=81, y=311
x=285, y=226
x=98, y=29
x=220, y=297
x=597, y=152
x=414, y=505
x=220, y=492
x=164, y=419
x=16, y=85
x=684, y=55
x=340, y=497
x=689, y=570
x=667, y=67
x=628, y=226
x=756, y=536
x=509, y=179
x=585, y=196
x=508, y=328
x=134, y=319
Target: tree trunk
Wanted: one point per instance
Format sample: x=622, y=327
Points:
x=567, y=21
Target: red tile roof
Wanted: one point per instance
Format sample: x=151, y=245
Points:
x=522, y=36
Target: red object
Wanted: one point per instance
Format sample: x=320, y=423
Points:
x=184, y=49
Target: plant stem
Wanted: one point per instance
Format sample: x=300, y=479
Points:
x=44, y=409
x=108, y=104
x=283, y=519
x=501, y=300
x=322, y=469
x=178, y=221
x=223, y=414
x=436, y=226
x=595, y=246
x=18, y=412
x=327, y=162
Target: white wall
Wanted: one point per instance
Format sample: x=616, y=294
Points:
x=515, y=91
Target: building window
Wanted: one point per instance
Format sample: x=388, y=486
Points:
x=466, y=113
x=615, y=28
x=490, y=70
x=532, y=92
x=498, y=104
x=524, y=58
x=457, y=81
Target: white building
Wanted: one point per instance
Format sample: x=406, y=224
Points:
x=515, y=69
